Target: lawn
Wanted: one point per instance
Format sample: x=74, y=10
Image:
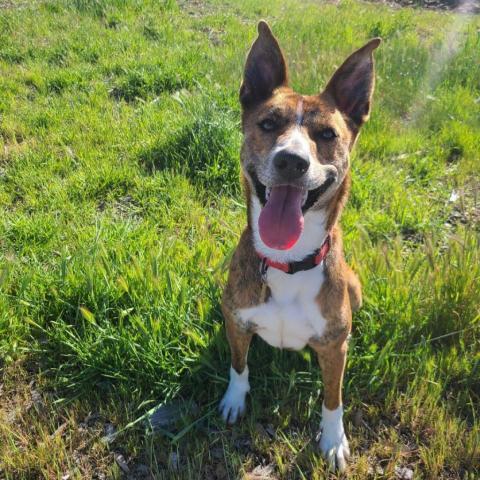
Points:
x=120, y=206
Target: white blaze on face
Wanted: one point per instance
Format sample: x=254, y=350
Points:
x=297, y=140
x=299, y=112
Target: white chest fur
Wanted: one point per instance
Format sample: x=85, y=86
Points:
x=291, y=316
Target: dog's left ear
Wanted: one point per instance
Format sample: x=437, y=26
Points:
x=351, y=86
x=265, y=69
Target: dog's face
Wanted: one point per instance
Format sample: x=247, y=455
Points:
x=302, y=141
x=295, y=153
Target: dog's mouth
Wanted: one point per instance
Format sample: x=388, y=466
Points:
x=281, y=220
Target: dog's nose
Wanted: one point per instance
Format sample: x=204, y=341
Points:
x=290, y=165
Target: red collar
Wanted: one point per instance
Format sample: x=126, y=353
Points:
x=307, y=263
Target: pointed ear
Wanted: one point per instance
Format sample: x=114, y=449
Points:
x=351, y=86
x=265, y=69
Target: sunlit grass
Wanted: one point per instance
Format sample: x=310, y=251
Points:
x=120, y=205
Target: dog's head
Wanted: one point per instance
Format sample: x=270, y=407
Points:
x=295, y=153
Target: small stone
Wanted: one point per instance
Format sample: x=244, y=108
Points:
x=121, y=462
x=260, y=472
x=110, y=432
x=167, y=415
x=404, y=473
x=453, y=196
x=270, y=430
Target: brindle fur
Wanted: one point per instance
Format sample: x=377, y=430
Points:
x=341, y=290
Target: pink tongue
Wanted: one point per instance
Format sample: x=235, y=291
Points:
x=281, y=220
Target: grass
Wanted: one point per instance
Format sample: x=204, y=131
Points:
x=120, y=206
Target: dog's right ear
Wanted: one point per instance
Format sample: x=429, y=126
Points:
x=351, y=86
x=265, y=69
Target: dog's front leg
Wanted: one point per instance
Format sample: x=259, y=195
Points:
x=333, y=442
x=232, y=405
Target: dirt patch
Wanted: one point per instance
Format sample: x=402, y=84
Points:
x=460, y=6
x=197, y=8
x=39, y=438
x=4, y=4
x=466, y=206
x=202, y=8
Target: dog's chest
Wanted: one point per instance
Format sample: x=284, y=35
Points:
x=291, y=316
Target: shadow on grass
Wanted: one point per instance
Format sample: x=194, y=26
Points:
x=169, y=414
x=190, y=426
x=205, y=150
x=141, y=83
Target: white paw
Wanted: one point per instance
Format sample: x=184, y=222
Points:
x=333, y=442
x=232, y=405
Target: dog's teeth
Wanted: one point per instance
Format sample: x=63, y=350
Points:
x=267, y=192
x=305, y=196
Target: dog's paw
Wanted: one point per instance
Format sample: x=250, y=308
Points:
x=332, y=439
x=336, y=452
x=232, y=406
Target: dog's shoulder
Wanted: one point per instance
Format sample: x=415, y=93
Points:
x=244, y=283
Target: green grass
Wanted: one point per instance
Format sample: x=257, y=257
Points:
x=120, y=205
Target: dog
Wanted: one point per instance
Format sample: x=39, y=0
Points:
x=288, y=280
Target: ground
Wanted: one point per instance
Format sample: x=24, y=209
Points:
x=120, y=206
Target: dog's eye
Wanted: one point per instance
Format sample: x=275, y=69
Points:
x=267, y=125
x=327, y=134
